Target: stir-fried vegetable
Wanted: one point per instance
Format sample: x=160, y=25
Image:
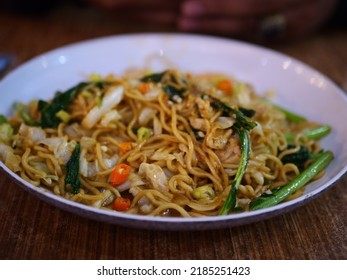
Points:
x=120, y=174
x=247, y=112
x=6, y=130
x=155, y=77
x=173, y=90
x=60, y=102
x=199, y=160
x=154, y=175
x=230, y=202
x=285, y=191
x=143, y=133
x=242, y=121
x=3, y=119
x=72, y=170
x=121, y=203
x=31, y=133
x=312, y=134
x=112, y=98
x=225, y=86
x=20, y=108
x=64, y=116
x=144, y=88
x=125, y=147
x=60, y=146
x=299, y=158
x=291, y=116
x=8, y=156
x=318, y=132
x=204, y=193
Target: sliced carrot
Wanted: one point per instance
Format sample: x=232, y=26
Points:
x=144, y=88
x=125, y=147
x=226, y=86
x=121, y=203
x=119, y=174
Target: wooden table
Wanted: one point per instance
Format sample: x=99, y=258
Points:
x=32, y=229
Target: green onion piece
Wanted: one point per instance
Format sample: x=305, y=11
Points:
x=230, y=202
x=298, y=182
x=86, y=94
x=143, y=134
x=64, y=116
x=204, y=193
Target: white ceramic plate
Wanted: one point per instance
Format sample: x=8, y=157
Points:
x=297, y=87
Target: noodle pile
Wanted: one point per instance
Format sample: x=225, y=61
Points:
x=183, y=150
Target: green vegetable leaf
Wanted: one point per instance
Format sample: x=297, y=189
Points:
x=155, y=77
x=299, y=158
x=247, y=112
x=242, y=121
x=264, y=197
x=172, y=91
x=3, y=119
x=321, y=162
x=230, y=202
x=60, y=102
x=73, y=169
x=290, y=116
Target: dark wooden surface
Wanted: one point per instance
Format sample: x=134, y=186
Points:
x=32, y=229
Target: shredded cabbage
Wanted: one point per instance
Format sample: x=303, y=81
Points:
x=6, y=133
x=156, y=176
x=11, y=160
x=60, y=146
x=111, y=99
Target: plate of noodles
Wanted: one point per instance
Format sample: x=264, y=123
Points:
x=171, y=131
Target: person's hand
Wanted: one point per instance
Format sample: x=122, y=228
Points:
x=255, y=18
x=163, y=12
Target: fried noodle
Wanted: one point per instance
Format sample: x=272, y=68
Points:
x=186, y=159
